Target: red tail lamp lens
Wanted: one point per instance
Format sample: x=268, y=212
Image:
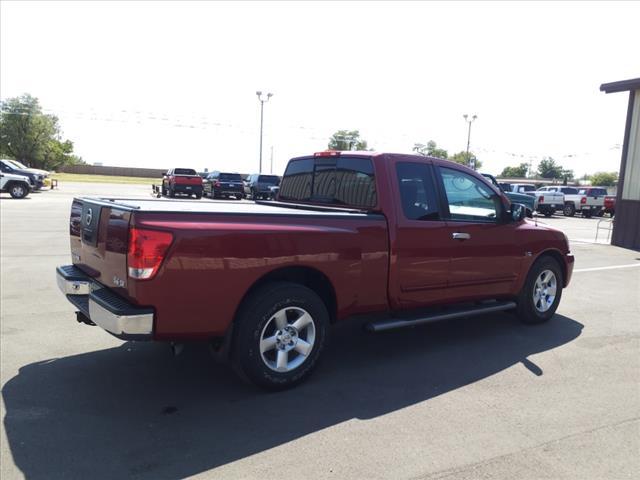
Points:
x=147, y=249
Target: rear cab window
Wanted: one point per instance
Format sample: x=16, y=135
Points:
x=230, y=177
x=338, y=181
x=184, y=171
x=270, y=179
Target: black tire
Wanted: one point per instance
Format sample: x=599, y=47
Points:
x=253, y=194
x=527, y=311
x=257, y=316
x=198, y=196
x=172, y=192
x=600, y=213
x=548, y=213
x=569, y=210
x=18, y=190
x=586, y=213
x=612, y=213
x=163, y=191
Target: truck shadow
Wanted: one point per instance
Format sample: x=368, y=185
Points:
x=136, y=411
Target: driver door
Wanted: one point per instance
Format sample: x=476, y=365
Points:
x=485, y=260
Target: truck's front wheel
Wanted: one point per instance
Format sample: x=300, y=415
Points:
x=541, y=293
x=18, y=190
x=279, y=334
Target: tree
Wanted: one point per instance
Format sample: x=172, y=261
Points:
x=468, y=159
x=548, y=168
x=32, y=137
x=430, y=150
x=347, y=140
x=604, y=179
x=515, y=172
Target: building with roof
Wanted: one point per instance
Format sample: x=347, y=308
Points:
x=626, y=228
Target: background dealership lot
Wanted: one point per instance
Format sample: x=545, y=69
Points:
x=473, y=398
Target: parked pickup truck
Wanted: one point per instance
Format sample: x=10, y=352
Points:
x=185, y=181
x=609, y=205
x=401, y=239
x=586, y=201
x=548, y=202
x=528, y=201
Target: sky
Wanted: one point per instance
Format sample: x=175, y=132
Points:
x=162, y=84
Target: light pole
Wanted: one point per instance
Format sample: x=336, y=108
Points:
x=262, y=101
x=466, y=119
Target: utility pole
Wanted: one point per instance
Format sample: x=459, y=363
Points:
x=271, y=169
x=262, y=101
x=466, y=119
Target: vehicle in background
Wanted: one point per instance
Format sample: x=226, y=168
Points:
x=524, y=199
x=404, y=239
x=18, y=186
x=609, y=205
x=224, y=185
x=549, y=202
x=525, y=188
x=577, y=199
x=22, y=166
x=258, y=186
x=182, y=181
x=36, y=180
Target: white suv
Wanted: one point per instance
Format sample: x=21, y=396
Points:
x=18, y=186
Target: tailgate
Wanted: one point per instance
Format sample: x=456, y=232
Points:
x=188, y=180
x=99, y=241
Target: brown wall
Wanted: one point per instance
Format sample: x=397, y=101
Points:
x=117, y=171
x=626, y=226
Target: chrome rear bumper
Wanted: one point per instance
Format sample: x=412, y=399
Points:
x=103, y=307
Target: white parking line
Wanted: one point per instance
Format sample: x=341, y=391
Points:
x=612, y=267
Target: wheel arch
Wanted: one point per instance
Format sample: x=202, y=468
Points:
x=307, y=276
x=558, y=257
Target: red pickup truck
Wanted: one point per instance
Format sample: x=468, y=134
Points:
x=402, y=239
x=185, y=181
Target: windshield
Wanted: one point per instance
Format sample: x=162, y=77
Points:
x=184, y=171
x=271, y=179
x=230, y=177
x=526, y=188
x=17, y=164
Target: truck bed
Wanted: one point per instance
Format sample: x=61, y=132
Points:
x=221, y=249
x=229, y=208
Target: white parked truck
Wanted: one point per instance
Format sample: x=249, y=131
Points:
x=587, y=201
x=548, y=202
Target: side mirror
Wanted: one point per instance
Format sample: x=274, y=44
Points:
x=518, y=212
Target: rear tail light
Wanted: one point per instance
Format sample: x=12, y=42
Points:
x=327, y=153
x=216, y=184
x=583, y=200
x=541, y=199
x=147, y=249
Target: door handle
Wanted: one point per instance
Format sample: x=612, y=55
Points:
x=461, y=236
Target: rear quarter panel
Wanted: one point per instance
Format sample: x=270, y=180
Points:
x=214, y=260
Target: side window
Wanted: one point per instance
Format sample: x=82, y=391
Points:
x=469, y=199
x=297, y=180
x=417, y=191
x=355, y=182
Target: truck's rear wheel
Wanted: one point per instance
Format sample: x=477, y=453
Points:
x=541, y=293
x=569, y=209
x=279, y=335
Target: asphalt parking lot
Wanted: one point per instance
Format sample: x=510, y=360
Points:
x=484, y=397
